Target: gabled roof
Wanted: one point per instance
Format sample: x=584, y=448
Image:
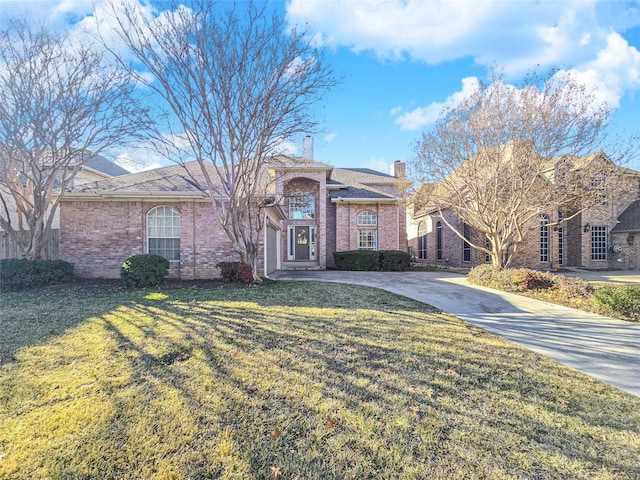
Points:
x=282, y=162
x=629, y=220
x=184, y=181
x=175, y=180
x=363, y=176
x=102, y=165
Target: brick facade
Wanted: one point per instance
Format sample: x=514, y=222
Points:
x=101, y=229
x=391, y=225
x=98, y=236
x=569, y=244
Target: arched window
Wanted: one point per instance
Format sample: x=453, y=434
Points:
x=439, y=240
x=422, y=240
x=163, y=232
x=367, y=237
x=544, y=238
x=367, y=218
x=302, y=207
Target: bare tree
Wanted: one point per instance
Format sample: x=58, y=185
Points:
x=60, y=104
x=237, y=85
x=506, y=155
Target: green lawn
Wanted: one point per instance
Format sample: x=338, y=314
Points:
x=293, y=380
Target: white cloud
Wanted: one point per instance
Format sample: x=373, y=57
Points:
x=491, y=31
x=614, y=71
x=378, y=164
x=390, y=28
x=330, y=137
x=135, y=165
x=421, y=117
x=516, y=36
x=395, y=111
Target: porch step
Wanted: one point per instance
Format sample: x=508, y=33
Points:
x=300, y=265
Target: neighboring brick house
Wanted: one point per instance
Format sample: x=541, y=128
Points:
x=309, y=210
x=605, y=236
x=94, y=169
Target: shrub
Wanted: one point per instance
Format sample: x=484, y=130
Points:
x=488, y=276
x=622, y=299
x=144, y=270
x=394, y=260
x=571, y=287
x=227, y=271
x=236, y=272
x=523, y=279
x=20, y=274
x=358, y=260
x=482, y=275
x=370, y=260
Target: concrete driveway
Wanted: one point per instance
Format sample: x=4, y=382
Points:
x=603, y=347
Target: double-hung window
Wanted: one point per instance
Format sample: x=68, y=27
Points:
x=367, y=230
x=163, y=232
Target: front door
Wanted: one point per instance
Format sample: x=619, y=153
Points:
x=302, y=243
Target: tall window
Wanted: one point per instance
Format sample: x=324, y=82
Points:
x=163, y=232
x=544, y=238
x=560, y=239
x=488, y=246
x=466, y=246
x=598, y=243
x=302, y=206
x=439, y=240
x=367, y=237
x=422, y=240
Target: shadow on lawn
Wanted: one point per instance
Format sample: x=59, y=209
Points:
x=259, y=383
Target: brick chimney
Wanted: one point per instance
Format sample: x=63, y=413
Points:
x=398, y=169
x=307, y=147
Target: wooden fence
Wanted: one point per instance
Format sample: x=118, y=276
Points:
x=9, y=248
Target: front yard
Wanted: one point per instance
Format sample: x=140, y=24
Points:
x=293, y=380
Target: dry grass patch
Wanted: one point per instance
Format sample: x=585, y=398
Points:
x=295, y=380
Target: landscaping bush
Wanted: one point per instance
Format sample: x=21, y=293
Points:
x=622, y=299
x=526, y=280
x=571, y=287
x=523, y=279
x=19, y=274
x=481, y=275
x=370, y=260
x=488, y=276
x=144, y=270
x=394, y=260
x=358, y=260
x=236, y=272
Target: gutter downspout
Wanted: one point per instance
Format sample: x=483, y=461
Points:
x=264, y=244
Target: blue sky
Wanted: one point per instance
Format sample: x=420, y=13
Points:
x=401, y=61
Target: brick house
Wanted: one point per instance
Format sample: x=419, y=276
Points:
x=604, y=236
x=308, y=211
x=93, y=169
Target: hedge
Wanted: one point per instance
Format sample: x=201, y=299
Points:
x=20, y=274
x=524, y=279
x=370, y=260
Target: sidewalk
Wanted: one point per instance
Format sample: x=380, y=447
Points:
x=603, y=347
